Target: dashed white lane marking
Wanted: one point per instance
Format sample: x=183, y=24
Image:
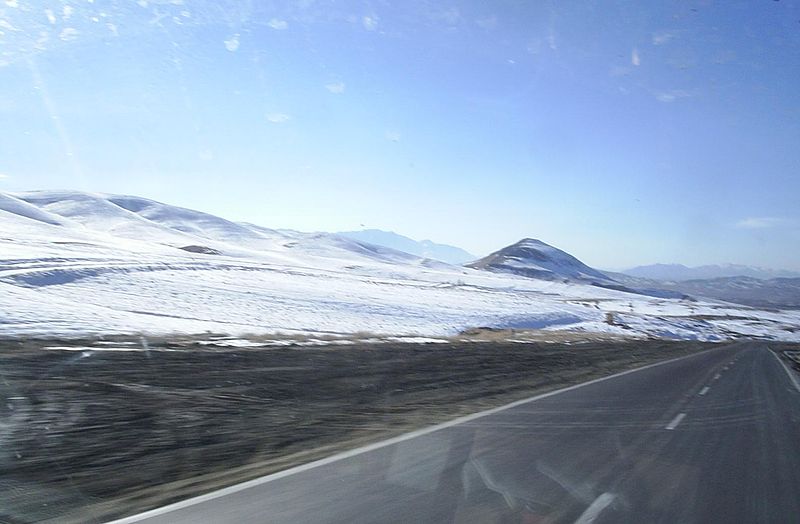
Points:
x=676, y=421
x=704, y=390
x=716, y=377
x=788, y=371
x=595, y=508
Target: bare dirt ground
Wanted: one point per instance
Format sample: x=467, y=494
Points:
x=90, y=434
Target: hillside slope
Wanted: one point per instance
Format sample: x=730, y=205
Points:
x=533, y=258
x=76, y=263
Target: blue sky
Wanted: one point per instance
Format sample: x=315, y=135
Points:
x=625, y=133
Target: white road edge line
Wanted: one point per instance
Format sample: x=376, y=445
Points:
x=786, y=368
x=704, y=390
x=675, y=421
x=377, y=445
x=595, y=508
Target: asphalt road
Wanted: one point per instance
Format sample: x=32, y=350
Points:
x=714, y=437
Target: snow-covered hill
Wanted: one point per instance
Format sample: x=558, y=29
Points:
x=73, y=263
x=142, y=225
x=422, y=248
x=533, y=258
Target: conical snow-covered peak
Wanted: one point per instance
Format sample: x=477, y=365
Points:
x=533, y=258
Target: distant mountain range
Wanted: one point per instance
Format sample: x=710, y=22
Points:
x=679, y=272
x=747, y=285
x=535, y=259
x=781, y=293
x=143, y=225
x=75, y=263
x=421, y=248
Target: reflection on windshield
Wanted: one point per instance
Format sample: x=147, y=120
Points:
x=206, y=287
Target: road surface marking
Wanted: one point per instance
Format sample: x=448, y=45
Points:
x=376, y=445
x=595, y=508
x=704, y=390
x=716, y=377
x=788, y=371
x=676, y=421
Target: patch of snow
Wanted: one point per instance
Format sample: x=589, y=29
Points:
x=417, y=340
x=238, y=343
x=75, y=263
x=90, y=349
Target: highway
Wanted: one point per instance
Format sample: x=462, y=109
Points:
x=713, y=437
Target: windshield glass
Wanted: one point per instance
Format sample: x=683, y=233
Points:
x=309, y=243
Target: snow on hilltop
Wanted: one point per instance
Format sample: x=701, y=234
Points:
x=73, y=263
x=142, y=225
x=533, y=258
x=13, y=208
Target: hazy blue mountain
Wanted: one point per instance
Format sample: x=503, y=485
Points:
x=678, y=272
x=782, y=293
x=421, y=248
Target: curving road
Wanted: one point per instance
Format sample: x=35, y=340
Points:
x=713, y=437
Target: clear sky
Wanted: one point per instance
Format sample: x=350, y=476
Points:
x=623, y=132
